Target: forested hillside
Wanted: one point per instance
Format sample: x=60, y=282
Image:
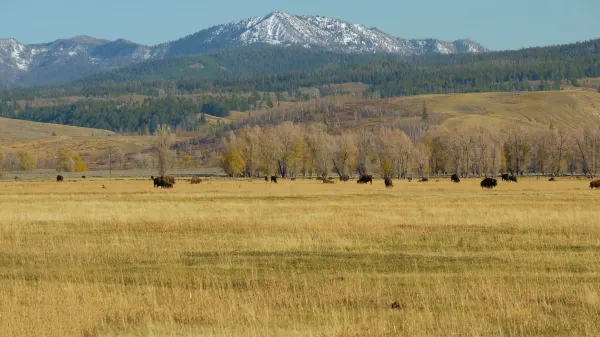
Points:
x=535, y=69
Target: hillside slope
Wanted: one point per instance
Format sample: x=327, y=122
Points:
x=14, y=131
x=569, y=108
x=91, y=144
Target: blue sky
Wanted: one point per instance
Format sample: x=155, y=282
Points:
x=506, y=24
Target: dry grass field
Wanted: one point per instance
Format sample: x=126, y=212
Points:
x=248, y=258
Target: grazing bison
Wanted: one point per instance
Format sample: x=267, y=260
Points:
x=83, y=177
x=365, y=179
x=595, y=184
x=424, y=180
x=388, y=182
x=489, y=183
x=505, y=176
x=293, y=179
x=455, y=178
x=196, y=180
x=59, y=178
x=345, y=178
x=274, y=179
x=552, y=179
x=164, y=182
x=328, y=181
x=410, y=180
x=512, y=178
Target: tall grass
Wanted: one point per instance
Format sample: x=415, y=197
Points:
x=248, y=258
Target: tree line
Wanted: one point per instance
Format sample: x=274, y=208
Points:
x=291, y=150
x=140, y=117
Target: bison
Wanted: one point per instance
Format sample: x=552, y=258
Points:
x=83, y=177
x=388, y=182
x=293, y=178
x=196, y=180
x=455, y=178
x=266, y=179
x=410, y=180
x=59, y=178
x=489, y=183
x=164, y=182
x=552, y=179
x=505, y=176
x=595, y=184
x=423, y=180
x=512, y=178
x=365, y=179
x=274, y=179
x=344, y=178
x=328, y=181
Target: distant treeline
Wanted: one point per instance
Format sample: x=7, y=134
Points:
x=142, y=117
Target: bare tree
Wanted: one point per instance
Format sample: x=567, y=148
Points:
x=518, y=148
x=588, y=146
x=142, y=160
x=165, y=156
x=365, y=152
x=421, y=159
x=344, y=153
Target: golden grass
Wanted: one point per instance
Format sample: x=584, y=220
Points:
x=248, y=258
x=13, y=131
x=568, y=108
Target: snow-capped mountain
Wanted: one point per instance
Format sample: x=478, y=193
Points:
x=69, y=59
x=280, y=28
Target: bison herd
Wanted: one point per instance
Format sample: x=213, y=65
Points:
x=489, y=183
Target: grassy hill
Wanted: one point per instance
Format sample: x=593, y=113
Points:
x=566, y=108
x=14, y=131
x=45, y=140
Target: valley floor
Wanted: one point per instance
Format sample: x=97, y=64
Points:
x=249, y=258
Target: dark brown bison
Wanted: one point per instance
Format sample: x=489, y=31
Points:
x=505, y=176
x=196, y=180
x=410, y=180
x=164, y=182
x=83, y=177
x=388, y=182
x=489, y=183
x=365, y=179
x=266, y=179
x=345, y=178
x=552, y=179
x=423, y=180
x=274, y=179
x=455, y=178
x=293, y=179
x=595, y=184
x=59, y=178
x=328, y=181
x=512, y=178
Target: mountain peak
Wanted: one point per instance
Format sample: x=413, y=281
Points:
x=281, y=28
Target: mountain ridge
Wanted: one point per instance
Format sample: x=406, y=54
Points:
x=65, y=60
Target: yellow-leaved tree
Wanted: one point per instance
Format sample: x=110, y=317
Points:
x=27, y=161
x=70, y=162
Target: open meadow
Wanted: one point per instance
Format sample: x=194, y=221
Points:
x=250, y=258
